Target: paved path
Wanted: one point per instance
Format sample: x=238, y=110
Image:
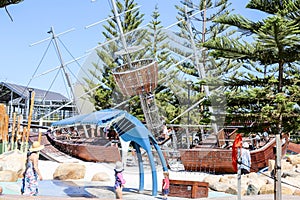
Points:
x=145, y=197
x=88, y=190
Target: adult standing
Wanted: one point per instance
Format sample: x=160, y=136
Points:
x=32, y=173
x=246, y=159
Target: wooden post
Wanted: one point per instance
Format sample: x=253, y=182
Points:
x=24, y=136
x=18, y=132
x=30, y=115
x=12, y=142
x=40, y=137
x=1, y=126
x=5, y=130
x=23, y=139
x=29, y=120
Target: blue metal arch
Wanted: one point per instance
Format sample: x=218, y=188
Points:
x=130, y=129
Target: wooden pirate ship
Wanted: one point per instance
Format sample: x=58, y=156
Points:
x=217, y=159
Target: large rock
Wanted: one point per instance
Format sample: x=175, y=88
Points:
x=285, y=166
x=294, y=159
x=252, y=189
x=101, y=176
x=287, y=190
x=297, y=192
x=267, y=189
x=228, y=178
x=210, y=179
x=219, y=186
x=255, y=184
x=14, y=161
x=293, y=174
x=234, y=190
x=67, y=171
x=8, y=176
x=252, y=175
x=291, y=182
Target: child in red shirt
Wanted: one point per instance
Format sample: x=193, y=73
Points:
x=165, y=185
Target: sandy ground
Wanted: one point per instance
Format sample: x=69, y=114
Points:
x=86, y=189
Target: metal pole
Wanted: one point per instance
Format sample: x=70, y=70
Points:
x=277, y=170
x=239, y=174
x=63, y=66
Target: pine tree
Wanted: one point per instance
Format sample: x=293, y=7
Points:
x=158, y=48
x=267, y=86
x=202, y=14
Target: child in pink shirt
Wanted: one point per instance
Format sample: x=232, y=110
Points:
x=119, y=180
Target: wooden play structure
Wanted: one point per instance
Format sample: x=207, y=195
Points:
x=140, y=78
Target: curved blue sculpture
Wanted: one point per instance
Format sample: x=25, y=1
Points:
x=130, y=129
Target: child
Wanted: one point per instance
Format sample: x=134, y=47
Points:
x=165, y=185
x=119, y=180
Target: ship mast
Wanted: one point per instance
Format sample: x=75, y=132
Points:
x=141, y=80
x=62, y=66
x=201, y=71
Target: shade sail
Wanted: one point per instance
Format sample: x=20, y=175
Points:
x=70, y=121
x=100, y=118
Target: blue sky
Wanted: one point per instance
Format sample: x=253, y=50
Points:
x=32, y=21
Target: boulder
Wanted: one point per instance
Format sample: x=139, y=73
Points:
x=219, y=186
x=291, y=182
x=287, y=190
x=252, y=175
x=101, y=176
x=252, y=189
x=285, y=166
x=210, y=179
x=244, y=181
x=13, y=160
x=297, y=192
x=294, y=159
x=293, y=174
x=234, y=190
x=267, y=189
x=67, y=171
x=8, y=176
x=257, y=183
x=227, y=178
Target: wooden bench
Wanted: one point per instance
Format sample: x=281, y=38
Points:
x=188, y=189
